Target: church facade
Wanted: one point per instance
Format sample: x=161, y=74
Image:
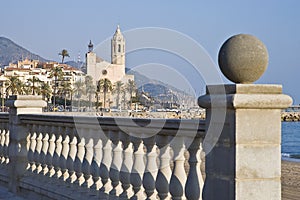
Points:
x=98, y=68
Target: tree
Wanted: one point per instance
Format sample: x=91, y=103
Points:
x=15, y=86
x=79, y=91
x=57, y=73
x=64, y=53
x=64, y=90
x=89, y=88
x=105, y=86
x=130, y=87
x=45, y=91
x=33, y=82
x=124, y=97
x=118, y=86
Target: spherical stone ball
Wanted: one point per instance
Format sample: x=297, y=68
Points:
x=243, y=58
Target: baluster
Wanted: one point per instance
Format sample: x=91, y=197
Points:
x=164, y=172
x=96, y=165
x=66, y=151
x=44, y=149
x=56, y=156
x=116, y=164
x=78, y=162
x=6, y=143
x=44, y=153
x=105, y=164
x=178, y=177
x=86, y=165
x=194, y=184
x=49, y=156
x=64, y=157
x=37, y=152
x=151, y=168
x=71, y=160
x=32, y=150
x=2, y=143
x=138, y=169
x=126, y=166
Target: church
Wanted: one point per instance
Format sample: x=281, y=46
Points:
x=98, y=68
x=114, y=71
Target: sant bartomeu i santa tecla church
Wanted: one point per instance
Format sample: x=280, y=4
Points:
x=98, y=68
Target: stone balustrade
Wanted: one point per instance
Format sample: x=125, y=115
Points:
x=76, y=157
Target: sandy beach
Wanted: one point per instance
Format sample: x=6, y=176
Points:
x=290, y=179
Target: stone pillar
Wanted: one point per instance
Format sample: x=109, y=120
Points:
x=243, y=161
x=17, y=151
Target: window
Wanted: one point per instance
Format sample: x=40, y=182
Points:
x=119, y=48
x=104, y=72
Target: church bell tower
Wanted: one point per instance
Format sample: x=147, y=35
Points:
x=118, y=48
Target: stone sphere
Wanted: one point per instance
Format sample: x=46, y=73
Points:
x=243, y=58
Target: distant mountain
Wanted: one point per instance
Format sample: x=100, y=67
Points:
x=10, y=52
x=157, y=89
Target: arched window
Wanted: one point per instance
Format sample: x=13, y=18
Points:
x=119, y=48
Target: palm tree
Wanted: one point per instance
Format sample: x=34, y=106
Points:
x=89, y=89
x=130, y=87
x=64, y=53
x=45, y=91
x=15, y=86
x=105, y=86
x=57, y=73
x=34, y=80
x=65, y=89
x=117, y=90
x=26, y=89
x=123, y=91
x=79, y=90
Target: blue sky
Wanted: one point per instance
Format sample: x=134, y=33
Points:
x=46, y=27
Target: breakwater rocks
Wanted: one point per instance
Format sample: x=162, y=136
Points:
x=290, y=116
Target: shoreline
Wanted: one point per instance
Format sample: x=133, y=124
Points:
x=290, y=178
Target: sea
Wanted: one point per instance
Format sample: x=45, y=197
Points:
x=290, y=140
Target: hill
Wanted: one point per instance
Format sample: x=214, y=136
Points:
x=160, y=91
x=10, y=52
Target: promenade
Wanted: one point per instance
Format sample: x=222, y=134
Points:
x=5, y=194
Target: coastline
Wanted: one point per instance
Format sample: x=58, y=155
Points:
x=290, y=178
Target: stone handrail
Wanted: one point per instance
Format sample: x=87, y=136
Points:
x=97, y=157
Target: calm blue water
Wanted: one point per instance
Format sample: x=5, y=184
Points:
x=290, y=142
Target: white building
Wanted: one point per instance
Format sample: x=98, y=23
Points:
x=98, y=68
